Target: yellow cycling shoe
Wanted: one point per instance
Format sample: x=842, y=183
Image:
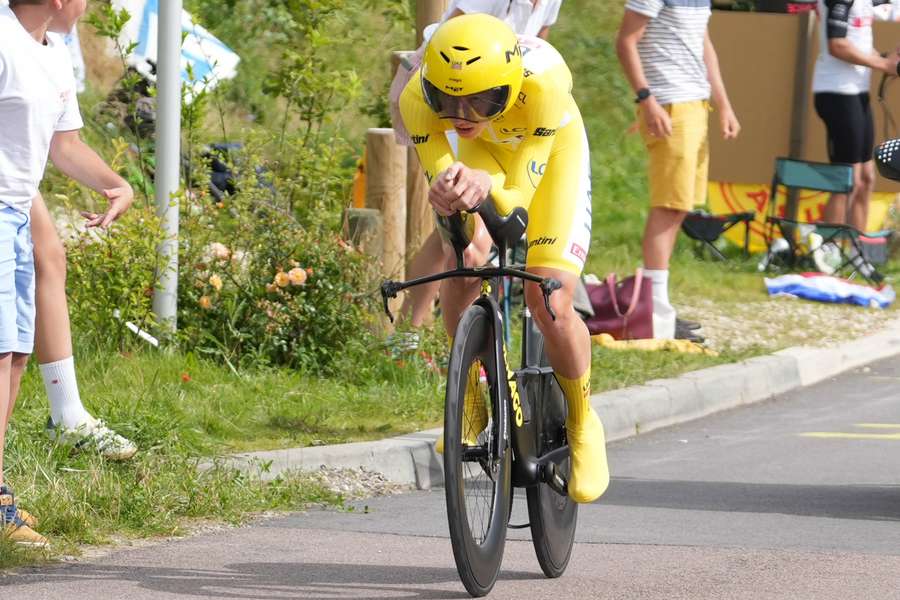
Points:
x=589, y=475
x=475, y=419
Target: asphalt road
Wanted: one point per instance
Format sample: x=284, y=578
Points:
x=794, y=498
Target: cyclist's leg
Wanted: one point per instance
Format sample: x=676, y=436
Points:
x=458, y=294
x=429, y=260
x=559, y=234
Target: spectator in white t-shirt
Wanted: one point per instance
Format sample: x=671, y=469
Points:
x=841, y=81
x=525, y=17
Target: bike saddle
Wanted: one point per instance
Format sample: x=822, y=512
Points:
x=505, y=231
x=887, y=159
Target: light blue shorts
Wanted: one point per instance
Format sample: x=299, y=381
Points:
x=16, y=282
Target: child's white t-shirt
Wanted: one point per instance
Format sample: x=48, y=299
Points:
x=37, y=99
x=521, y=15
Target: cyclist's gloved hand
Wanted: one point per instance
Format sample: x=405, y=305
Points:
x=459, y=189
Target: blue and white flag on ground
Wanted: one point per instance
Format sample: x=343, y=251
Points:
x=205, y=60
x=827, y=288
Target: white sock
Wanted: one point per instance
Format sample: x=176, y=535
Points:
x=66, y=408
x=663, y=311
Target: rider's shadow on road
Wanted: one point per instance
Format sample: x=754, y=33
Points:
x=263, y=581
x=867, y=502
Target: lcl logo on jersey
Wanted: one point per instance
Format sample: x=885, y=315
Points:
x=535, y=172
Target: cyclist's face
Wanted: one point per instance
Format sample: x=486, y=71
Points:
x=468, y=129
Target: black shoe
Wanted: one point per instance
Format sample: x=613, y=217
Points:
x=683, y=333
x=685, y=324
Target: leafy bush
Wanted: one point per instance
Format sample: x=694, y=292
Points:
x=264, y=277
x=258, y=287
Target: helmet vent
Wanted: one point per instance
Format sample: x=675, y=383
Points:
x=471, y=60
x=461, y=48
x=445, y=57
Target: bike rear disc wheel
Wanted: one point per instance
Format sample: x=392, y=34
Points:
x=553, y=517
x=477, y=479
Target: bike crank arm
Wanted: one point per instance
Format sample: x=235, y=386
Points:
x=552, y=477
x=550, y=471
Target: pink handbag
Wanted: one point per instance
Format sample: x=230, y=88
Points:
x=622, y=309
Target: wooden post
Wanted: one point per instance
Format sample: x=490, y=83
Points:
x=428, y=12
x=806, y=23
x=386, y=191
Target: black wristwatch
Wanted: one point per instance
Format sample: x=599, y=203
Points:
x=642, y=94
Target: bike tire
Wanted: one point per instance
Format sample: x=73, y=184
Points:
x=553, y=517
x=477, y=491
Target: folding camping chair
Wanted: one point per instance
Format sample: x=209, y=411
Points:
x=824, y=177
x=706, y=228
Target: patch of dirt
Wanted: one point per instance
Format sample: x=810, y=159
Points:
x=782, y=322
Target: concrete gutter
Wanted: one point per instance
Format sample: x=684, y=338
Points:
x=626, y=412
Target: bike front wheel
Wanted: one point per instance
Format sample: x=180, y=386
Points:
x=553, y=517
x=477, y=473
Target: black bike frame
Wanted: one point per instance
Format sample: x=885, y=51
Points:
x=528, y=468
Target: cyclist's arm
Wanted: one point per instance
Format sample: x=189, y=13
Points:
x=547, y=104
x=517, y=186
x=425, y=129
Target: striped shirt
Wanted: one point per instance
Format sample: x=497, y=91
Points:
x=671, y=48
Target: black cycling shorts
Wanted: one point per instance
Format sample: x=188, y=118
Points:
x=851, y=129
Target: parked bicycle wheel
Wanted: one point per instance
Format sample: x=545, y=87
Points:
x=553, y=516
x=477, y=475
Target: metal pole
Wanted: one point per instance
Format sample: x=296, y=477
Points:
x=168, y=155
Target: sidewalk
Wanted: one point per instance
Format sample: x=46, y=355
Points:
x=410, y=459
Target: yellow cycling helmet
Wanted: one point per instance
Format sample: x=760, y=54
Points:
x=472, y=68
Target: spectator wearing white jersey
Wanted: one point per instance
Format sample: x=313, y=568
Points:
x=841, y=82
x=670, y=62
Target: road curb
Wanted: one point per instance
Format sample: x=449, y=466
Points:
x=410, y=458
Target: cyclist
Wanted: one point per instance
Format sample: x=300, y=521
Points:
x=521, y=143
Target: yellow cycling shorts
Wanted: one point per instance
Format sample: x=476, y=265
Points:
x=559, y=217
x=679, y=163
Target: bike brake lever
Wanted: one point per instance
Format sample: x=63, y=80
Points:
x=389, y=289
x=548, y=286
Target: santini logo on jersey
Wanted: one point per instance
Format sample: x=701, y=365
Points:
x=419, y=139
x=542, y=241
x=544, y=132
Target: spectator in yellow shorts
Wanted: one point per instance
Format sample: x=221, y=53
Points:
x=670, y=62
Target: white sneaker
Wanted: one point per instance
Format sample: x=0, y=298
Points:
x=93, y=433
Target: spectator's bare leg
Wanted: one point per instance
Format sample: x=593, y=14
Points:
x=835, y=209
x=863, y=185
x=17, y=367
x=5, y=404
x=659, y=242
x=52, y=332
x=660, y=234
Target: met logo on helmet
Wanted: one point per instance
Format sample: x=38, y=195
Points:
x=514, y=52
